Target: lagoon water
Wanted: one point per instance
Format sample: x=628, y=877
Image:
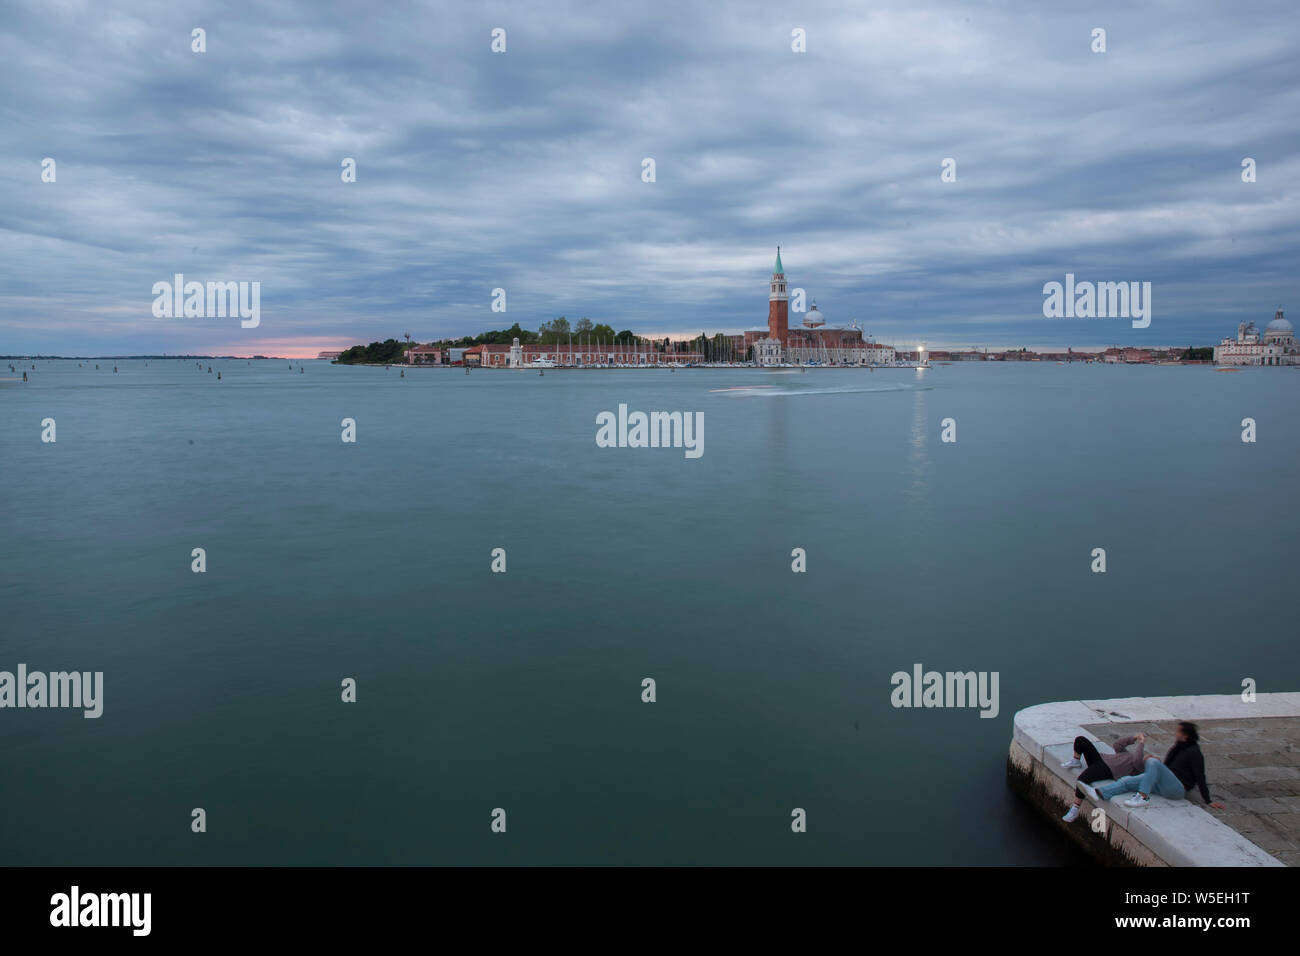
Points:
x=522, y=690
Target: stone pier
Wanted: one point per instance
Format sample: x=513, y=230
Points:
x=1252, y=762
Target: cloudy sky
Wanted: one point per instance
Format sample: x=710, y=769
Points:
x=522, y=170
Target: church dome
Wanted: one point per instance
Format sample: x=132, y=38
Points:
x=1279, y=324
x=814, y=318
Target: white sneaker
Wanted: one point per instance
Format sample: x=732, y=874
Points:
x=1072, y=764
x=1091, y=791
x=1072, y=815
x=1137, y=800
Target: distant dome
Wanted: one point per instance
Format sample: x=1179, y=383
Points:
x=814, y=318
x=1279, y=324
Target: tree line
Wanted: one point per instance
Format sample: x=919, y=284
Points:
x=556, y=331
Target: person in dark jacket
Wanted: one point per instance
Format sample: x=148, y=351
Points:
x=1182, y=769
x=1099, y=766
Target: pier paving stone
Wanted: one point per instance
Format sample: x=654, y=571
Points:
x=1252, y=765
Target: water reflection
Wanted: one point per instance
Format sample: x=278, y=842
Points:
x=917, y=492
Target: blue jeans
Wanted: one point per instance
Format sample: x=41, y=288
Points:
x=1155, y=778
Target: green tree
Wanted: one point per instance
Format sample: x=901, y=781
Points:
x=524, y=336
x=376, y=353
x=555, y=331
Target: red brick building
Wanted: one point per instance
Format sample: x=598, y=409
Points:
x=425, y=355
x=813, y=340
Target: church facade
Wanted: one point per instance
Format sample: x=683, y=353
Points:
x=813, y=340
x=1277, y=346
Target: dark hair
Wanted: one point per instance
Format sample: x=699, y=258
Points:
x=1189, y=728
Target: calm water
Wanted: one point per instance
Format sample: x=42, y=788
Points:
x=522, y=690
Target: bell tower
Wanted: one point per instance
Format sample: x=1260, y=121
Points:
x=778, y=304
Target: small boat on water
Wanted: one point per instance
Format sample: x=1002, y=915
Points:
x=1227, y=368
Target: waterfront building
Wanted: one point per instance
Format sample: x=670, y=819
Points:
x=578, y=355
x=1277, y=345
x=1128, y=355
x=814, y=339
x=425, y=355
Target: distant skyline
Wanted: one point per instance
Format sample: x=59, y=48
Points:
x=522, y=170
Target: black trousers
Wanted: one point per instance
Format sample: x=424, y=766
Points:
x=1095, y=768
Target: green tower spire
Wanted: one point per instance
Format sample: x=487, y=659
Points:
x=779, y=270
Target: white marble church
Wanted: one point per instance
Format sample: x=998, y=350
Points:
x=1277, y=346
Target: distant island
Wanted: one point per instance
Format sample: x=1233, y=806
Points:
x=585, y=336
x=813, y=341
x=555, y=332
